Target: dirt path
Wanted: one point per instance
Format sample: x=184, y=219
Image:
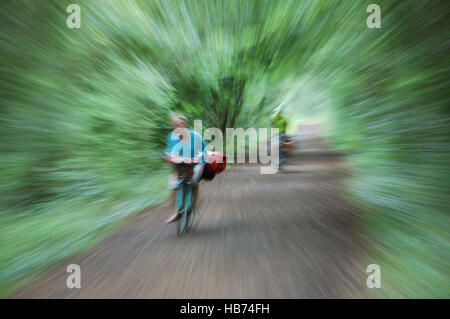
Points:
x=288, y=235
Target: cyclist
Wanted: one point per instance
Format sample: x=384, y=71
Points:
x=184, y=142
x=280, y=122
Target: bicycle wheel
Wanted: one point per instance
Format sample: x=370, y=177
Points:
x=189, y=205
x=190, y=217
x=181, y=208
x=182, y=223
x=192, y=208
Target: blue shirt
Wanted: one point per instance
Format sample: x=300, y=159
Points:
x=194, y=148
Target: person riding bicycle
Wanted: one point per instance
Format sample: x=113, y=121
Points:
x=280, y=122
x=184, y=142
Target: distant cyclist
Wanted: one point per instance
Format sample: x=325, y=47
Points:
x=186, y=143
x=280, y=122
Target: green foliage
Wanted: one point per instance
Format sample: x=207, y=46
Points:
x=390, y=106
x=85, y=113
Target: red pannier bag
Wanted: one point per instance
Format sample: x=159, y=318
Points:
x=217, y=162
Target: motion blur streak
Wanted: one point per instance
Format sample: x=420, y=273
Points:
x=84, y=115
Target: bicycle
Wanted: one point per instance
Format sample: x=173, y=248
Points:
x=285, y=145
x=185, y=194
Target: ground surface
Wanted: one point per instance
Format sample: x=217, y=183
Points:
x=287, y=235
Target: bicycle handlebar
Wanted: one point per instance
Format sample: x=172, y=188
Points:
x=182, y=160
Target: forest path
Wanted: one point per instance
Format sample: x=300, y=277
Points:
x=286, y=235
